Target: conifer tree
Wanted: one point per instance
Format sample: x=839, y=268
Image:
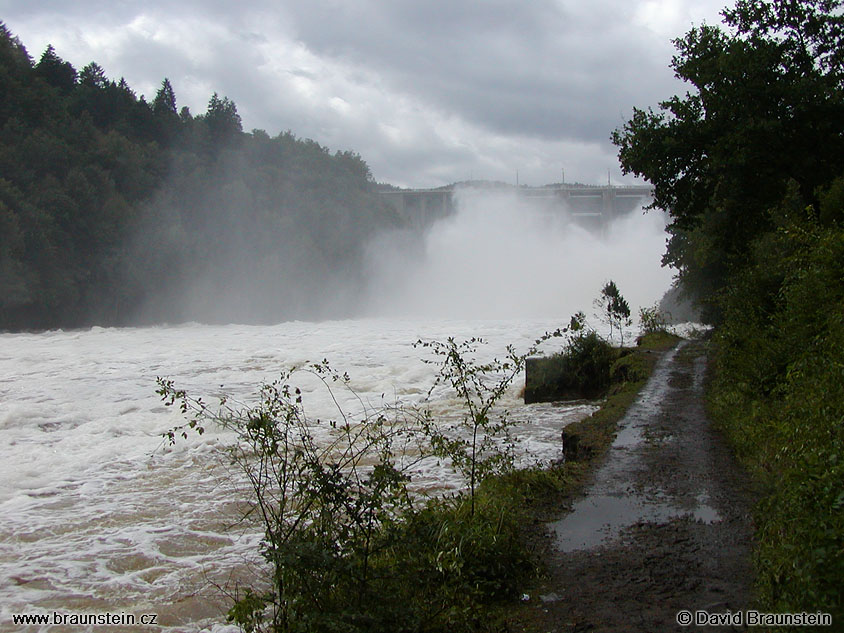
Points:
x=55, y=71
x=93, y=75
x=165, y=99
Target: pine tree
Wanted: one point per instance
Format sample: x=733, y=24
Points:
x=165, y=99
x=93, y=75
x=222, y=119
x=55, y=71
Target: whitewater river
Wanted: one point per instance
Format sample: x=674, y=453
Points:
x=100, y=515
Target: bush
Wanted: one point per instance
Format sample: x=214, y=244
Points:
x=449, y=560
x=588, y=362
x=346, y=546
x=779, y=393
x=581, y=370
x=653, y=320
x=325, y=508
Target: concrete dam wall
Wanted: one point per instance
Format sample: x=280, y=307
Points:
x=593, y=207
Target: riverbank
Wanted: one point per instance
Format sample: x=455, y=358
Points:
x=656, y=517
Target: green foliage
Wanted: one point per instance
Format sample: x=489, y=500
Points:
x=628, y=368
x=121, y=211
x=326, y=508
x=588, y=359
x=581, y=370
x=223, y=121
x=613, y=309
x=657, y=341
x=480, y=444
x=588, y=364
x=763, y=110
x=653, y=320
x=452, y=559
x=746, y=165
x=347, y=546
x=165, y=99
x=779, y=393
x=55, y=71
x=577, y=322
x=93, y=76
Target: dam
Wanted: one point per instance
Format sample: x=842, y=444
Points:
x=592, y=206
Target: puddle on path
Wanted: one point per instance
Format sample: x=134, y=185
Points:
x=599, y=518
x=611, y=503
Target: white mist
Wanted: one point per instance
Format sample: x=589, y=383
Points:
x=100, y=514
x=504, y=257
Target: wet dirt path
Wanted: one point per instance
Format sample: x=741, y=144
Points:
x=664, y=525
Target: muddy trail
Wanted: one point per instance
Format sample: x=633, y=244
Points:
x=662, y=527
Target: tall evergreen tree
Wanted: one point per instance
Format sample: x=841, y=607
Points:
x=222, y=119
x=13, y=54
x=165, y=99
x=55, y=71
x=93, y=75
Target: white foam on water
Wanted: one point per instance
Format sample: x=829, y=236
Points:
x=99, y=514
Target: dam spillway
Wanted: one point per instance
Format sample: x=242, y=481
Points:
x=593, y=206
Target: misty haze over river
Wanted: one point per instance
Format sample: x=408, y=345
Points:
x=100, y=515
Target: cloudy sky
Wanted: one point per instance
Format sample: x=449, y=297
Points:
x=427, y=91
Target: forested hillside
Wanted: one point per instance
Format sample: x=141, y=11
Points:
x=749, y=165
x=114, y=210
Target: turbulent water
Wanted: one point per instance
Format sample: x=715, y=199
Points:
x=100, y=515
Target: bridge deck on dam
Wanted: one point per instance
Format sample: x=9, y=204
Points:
x=593, y=206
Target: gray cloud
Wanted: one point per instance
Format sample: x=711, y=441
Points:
x=530, y=68
x=427, y=91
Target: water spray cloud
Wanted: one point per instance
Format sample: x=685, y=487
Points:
x=501, y=256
